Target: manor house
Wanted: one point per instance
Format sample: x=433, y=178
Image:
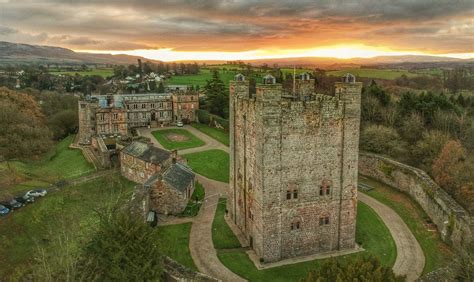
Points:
x=293, y=166
x=116, y=115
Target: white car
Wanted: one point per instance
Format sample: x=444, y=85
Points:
x=179, y=124
x=37, y=193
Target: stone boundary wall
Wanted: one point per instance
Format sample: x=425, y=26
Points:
x=453, y=221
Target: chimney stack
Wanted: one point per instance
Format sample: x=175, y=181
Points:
x=174, y=155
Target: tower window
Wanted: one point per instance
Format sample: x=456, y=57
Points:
x=324, y=190
x=295, y=225
x=295, y=194
x=324, y=220
x=288, y=195
x=292, y=194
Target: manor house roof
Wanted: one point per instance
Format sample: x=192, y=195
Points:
x=147, y=153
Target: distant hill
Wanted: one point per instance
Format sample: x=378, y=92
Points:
x=16, y=53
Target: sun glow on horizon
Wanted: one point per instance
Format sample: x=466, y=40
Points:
x=336, y=51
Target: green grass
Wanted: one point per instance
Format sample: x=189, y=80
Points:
x=175, y=243
x=100, y=72
x=61, y=163
x=437, y=253
x=70, y=210
x=371, y=232
x=218, y=134
x=193, y=207
x=201, y=78
x=213, y=164
x=222, y=235
x=373, y=73
x=190, y=142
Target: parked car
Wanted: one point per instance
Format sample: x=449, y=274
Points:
x=25, y=199
x=12, y=204
x=179, y=124
x=4, y=210
x=37, y=193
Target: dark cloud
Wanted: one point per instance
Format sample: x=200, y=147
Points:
x=237, y=24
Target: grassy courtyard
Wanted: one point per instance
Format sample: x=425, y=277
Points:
x=61, y=162
x=213, y=164
x=194, y=204
x=437, y=253
x=371, y=233
x=218, y=134
x=175, y=243
x=69, y=212
x=177, y=138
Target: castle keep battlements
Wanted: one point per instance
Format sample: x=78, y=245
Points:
x=293, y=171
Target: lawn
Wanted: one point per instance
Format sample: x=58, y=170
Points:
x=175, y=243
x=61, y=163
x=201, y=78
x=213, y=164
x=218, y=134
x=373, y=73
x=194, y=204
x=70, y=211
x=371, y=233
x=437, y=253
x=100, y=72
x=222, y=235
x=177, y=138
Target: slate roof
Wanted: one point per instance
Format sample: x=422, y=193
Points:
x=179, y=176
x=147, y=153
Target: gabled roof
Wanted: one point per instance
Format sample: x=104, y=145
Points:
x=179, y=176
x=147, y=153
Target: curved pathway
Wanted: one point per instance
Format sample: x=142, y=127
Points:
x=410, y=258
x=200, y=239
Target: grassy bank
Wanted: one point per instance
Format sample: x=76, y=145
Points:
x=70, y=211
x=175, y=243
x=437, y=253
x=218, y=134
x=213, y=164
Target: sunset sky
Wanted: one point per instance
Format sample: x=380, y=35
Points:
x=233, y=29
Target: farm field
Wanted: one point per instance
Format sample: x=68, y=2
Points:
x=371, y=233
x=373, y=73
x=100, y=72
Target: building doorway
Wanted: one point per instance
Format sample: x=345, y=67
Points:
x=153, y=116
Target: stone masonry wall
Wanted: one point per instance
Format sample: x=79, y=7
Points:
x=282, y=146
x=167, y=200
x=453, y=222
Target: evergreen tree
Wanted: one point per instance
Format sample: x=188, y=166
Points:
x=124, y=248
x=217, y=96
x=161, y=88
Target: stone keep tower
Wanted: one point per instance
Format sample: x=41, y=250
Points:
x=293, y=166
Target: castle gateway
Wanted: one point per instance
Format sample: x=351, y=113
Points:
x=293, y=170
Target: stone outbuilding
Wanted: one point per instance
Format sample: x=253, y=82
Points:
x=171, y=189
x=140, y=161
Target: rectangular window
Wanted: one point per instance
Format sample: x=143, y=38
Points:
x=295, y=194
x=115, y=116
x=143, y=106
x=135, y=106
x=295, y=225
x=143, y=115
x=324, y=220
x=152, y=106
x=288, y=195
x=116, y=128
